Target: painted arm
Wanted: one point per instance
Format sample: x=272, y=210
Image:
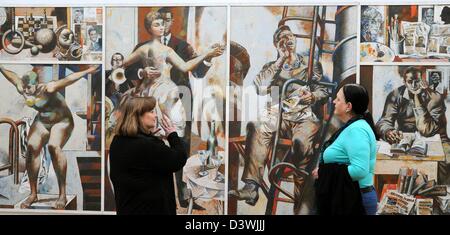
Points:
x=389, y=116
x=12, y=78
x=131, y=70
x=69, y=80
x=264, y=79
x=188, y=53
x=134, y=57
x=320, y=92
x=429, y=116
x=180, y=64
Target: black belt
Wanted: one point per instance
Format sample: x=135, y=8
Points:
x=367, y=189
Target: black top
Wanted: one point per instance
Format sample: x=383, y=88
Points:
x=141, y=170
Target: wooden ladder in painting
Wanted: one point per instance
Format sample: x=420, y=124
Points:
x=281, y=170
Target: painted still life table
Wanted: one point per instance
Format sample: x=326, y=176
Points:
x=202, y=187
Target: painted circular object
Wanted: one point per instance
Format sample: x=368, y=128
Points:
x=376, y=52
x=46, y=38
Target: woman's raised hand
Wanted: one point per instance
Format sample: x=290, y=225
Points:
x=216, y=50
x=167, y=125
x=152, y=73
x=92, y=69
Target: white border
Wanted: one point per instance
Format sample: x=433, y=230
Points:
x=101, y=3
x=358, y=47
x=103, y=140
x=227, y=110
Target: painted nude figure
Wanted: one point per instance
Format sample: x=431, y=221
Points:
x=158, y=59
x=52, y=125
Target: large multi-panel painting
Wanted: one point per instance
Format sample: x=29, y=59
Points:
x=410, y=113
x=50, y=120
x=253, y=123
x=404, y=52
x=281, y=87
x=185, y=46
x=405, y=33
x=52, y=33
x=50, y=108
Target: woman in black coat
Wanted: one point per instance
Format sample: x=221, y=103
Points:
x=141, y=165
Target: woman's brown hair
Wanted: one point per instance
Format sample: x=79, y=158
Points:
x=129, y=124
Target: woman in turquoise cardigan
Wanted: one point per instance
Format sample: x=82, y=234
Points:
x=355, y=143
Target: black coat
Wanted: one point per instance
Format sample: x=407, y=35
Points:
x=141, y=170
x=336, y=192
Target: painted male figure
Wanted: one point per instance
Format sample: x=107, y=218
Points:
x=299, y=119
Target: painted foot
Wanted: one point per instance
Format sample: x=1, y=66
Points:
x=30, y=200
x=249, y=193
x=61, y=203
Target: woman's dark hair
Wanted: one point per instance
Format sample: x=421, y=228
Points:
x=359, y=97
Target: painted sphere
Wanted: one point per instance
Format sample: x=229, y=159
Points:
x=46, y=38
x=34, y=50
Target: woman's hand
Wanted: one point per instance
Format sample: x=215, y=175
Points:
x=215, y=50
x=315, y=173
x=92, y=69
x=151, y=73
x=167, y=125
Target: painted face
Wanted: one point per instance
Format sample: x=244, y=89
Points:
x=429, y=16
x=435, y=78
x=409, y=39
x=116, y=61
x=340, y=105
x=30, y=81
x=157, y=28
x=168, y=20
x=289, y=38
x=412, y=82
x=371, y=30
x=421, y=40
x=78, y=16
x=148, y=120
x=93, y=35
x=371, y=24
